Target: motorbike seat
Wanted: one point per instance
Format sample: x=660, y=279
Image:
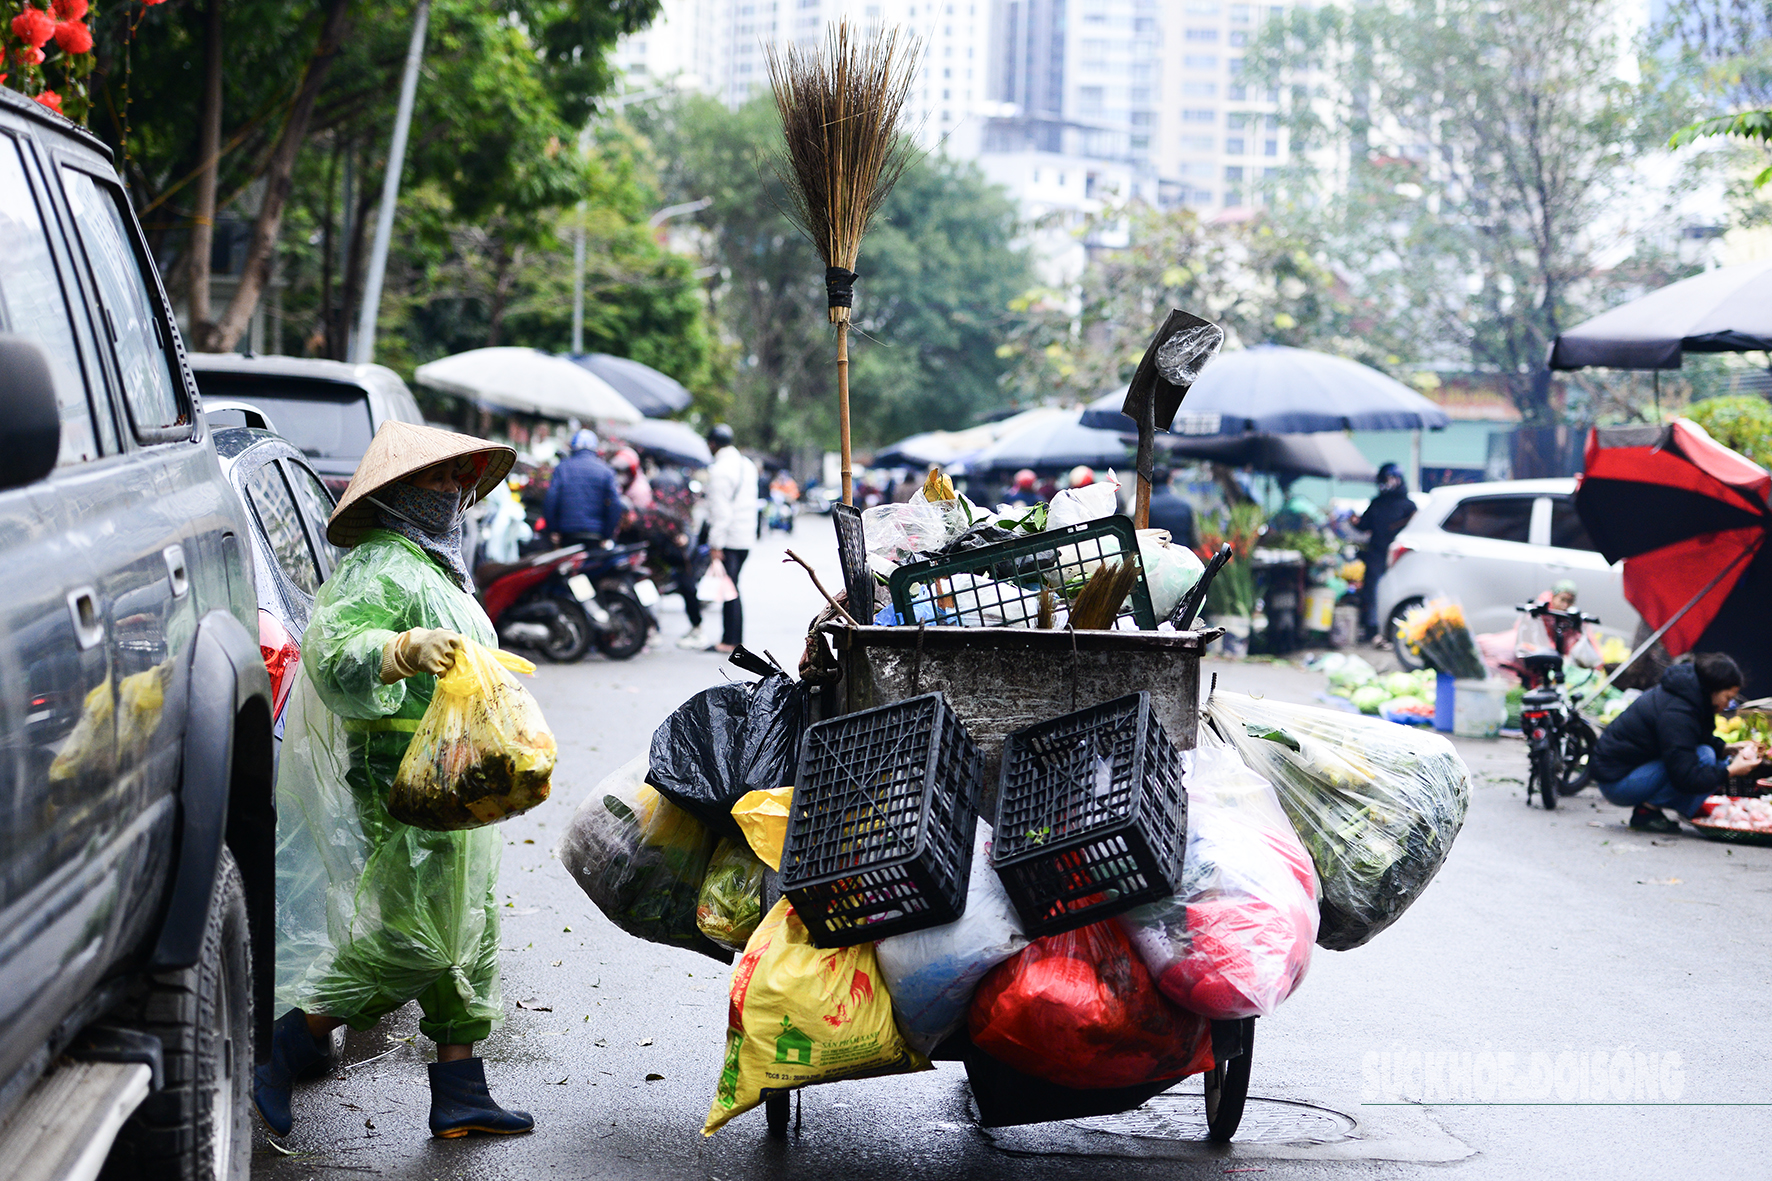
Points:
x=487, y=573
x=1541, y=697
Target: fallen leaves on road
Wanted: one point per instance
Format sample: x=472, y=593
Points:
x=645, y=1041
x=655, y=1078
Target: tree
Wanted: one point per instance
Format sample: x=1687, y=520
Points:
x=938, y=270
x=1457, y=160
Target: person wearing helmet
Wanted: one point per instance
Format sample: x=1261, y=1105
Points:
x=632, y=478
x=372, y=913
x=732, y=523
x=583, y=505
x=1082, y=476
x=1022, y=490
x=1384, y=518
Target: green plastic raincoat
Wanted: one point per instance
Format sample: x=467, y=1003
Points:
x=372, y=913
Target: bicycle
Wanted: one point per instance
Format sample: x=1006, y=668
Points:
x=1558, y=741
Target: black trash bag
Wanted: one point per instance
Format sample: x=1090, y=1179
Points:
x=725, y=742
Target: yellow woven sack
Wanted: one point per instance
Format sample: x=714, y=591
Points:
x=802, y=1015
x=482, y=751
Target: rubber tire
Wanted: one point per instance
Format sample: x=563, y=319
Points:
x=628, y=625
x=579, y=635
x=1543, y=777
x=1227, y=1089
x=1409, y=660
x=172, y=1135
x=1578, y=747
x=776, y=1109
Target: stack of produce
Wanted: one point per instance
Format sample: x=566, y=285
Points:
x=1436, y=632
x=1402, y=694
x=1376, y=805
x=1741, y=813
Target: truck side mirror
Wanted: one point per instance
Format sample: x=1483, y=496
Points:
x=31, y=435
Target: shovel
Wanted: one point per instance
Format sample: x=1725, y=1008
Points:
x=1168, y=370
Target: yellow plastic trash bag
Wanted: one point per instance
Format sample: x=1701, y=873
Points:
x=482, y=752
x=800, y=1015
x=763, y=818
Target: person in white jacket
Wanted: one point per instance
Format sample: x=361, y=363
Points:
x=732, y=525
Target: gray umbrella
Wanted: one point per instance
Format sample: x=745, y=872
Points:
x=672, y=442
x=1728, y=310
x=1049, y=444
x=1329, y=454
x=654, y=394
x=1276, y=390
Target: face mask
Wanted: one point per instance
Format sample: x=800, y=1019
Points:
x=434, y=512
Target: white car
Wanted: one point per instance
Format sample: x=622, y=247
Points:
x=1490, y=546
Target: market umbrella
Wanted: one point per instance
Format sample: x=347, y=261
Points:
x=527, y=381
x=654, y=394
x=920, y=450
x=1277, y=390
x=1688, y=517
x=1728, y=310
x=1330, y=454
x=1052, y=442
x=671, y=442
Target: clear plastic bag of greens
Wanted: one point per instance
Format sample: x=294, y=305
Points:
x=1377, y=805
x=641, y=859
x=731, y=898
x=482, y=752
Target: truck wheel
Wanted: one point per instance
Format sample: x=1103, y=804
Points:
x=196, y=1128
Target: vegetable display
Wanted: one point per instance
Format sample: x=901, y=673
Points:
x=1376, y=805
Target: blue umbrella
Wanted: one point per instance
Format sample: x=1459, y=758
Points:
x=1284, y=391
x=1048, y=444
x=654, y=394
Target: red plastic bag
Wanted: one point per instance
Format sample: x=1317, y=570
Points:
x=1080, y=1010
x=1236, y=939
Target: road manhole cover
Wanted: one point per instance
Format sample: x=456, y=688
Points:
x=1265, y=1121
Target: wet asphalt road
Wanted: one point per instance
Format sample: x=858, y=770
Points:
x=1544, y=934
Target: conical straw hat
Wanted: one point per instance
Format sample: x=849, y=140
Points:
x=398, y=450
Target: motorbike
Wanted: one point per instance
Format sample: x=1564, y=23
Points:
x=562, y=601
x=1558, y=741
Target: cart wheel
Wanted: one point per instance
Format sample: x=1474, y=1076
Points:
x=776, y=1107
x=1227, y=1086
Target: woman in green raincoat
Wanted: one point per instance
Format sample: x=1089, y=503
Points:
x=373, y=913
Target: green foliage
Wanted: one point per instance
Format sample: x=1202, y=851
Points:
x=937, y=273
x=1475, y=146
x=1755, y=125
x=1742, y=422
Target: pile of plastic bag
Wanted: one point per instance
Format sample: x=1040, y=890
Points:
x=1376, y=805
x=1236, y=940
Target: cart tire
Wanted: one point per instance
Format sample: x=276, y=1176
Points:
x=1227, y=1087
x=776, y=1108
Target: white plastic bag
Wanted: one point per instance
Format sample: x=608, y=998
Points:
x=1170, y=570
x=1236, y=939
x=894, y=532
x=1091, y=502
x=716, y=586
x=931, y=975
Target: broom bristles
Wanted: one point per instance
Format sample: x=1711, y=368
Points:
x=840, y=109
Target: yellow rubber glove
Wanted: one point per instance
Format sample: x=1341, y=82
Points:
x=421, y=650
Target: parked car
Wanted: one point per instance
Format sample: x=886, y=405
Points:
x=1491, y=546
x=137, y=831
x=328, y=409
x=290, y=554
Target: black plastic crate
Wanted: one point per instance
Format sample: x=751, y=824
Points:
x=1091, y=816
x=880, y=832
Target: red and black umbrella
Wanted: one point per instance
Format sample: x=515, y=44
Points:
x=1689, y=518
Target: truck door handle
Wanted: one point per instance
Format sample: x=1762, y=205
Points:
x=89, y=625
x=176, y=570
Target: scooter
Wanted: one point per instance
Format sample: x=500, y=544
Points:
x=1558, y=741
x=545, y=603
x=624, y=595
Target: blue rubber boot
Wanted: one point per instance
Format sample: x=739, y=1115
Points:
x=460, y=1102
x=293, y=1052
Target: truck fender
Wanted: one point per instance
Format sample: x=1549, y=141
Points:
x=225, y=796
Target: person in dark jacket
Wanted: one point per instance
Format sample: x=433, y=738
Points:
x=1661, y=752
x=1383, y=519
x=1169, y=511
x=584, y=503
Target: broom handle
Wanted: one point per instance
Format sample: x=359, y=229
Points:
x=1147, y=439
x=843, y=404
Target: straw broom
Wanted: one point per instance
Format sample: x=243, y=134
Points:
x=840, y=108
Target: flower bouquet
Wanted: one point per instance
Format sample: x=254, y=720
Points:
x=1436, y=632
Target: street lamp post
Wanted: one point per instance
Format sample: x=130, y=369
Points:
x=364, y=348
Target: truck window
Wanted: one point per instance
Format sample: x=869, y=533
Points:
x=1500, y=518
x=149, y=388
x=281, y=521
x=32, y=303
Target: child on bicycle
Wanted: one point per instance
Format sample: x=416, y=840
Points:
x=1662, y=753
